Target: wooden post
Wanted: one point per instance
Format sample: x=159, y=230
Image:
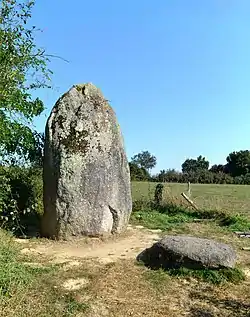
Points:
x=189, y=189
x=190, y=201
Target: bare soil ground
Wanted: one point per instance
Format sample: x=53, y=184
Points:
x=103, y=275
x=126, y=246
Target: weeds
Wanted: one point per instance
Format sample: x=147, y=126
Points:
x=73, y=306
x=219, y=276
x=235, y=223
x=156, y=220
x=14, y=275
x=167, y=215
x=216, y=277
x=156, y=278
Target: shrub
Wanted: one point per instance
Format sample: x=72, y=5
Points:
x=138, y=173
x=21, y=198
x=158, y=194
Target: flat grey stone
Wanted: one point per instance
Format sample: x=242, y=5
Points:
x=190, y=252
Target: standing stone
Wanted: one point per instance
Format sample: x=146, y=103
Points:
x=86, y=173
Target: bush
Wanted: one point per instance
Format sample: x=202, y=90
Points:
x=141, y=204
x=200, y=177
x=158, y=194
x=21, y=196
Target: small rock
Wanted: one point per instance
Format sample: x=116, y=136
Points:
x=247, y=272
x=139, y=227
x=155, y=230
x=34, y=265
x=130, y=228
x=23, y=241
x=75, y=284
x=71, y=264
x=29, y=250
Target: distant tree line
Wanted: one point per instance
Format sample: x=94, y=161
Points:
x=235, y=171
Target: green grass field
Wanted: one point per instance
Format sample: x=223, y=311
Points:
x=226, y=198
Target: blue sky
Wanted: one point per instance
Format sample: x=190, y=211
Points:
x=177, y=72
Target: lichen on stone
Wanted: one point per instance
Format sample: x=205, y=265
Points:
x=75, y=141
x=93, y=94
x=88, y=90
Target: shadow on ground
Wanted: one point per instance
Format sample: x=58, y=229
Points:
x=226, y=307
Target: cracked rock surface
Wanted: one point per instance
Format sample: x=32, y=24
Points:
x=86, y=173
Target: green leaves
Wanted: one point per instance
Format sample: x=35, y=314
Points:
x=23, y=68
x=195, y=165
x=238, y=163
x=20, y=198
x=145, y=160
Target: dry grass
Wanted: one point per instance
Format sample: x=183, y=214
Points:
x=125, y=288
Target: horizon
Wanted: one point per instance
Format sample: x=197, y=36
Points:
x=177, y=73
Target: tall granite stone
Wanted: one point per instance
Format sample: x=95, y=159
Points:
x=86, y=173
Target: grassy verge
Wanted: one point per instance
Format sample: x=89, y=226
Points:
x=216, y=277
x=168, y=216
x=15, y=276
x=220, y=276
x=27, y=290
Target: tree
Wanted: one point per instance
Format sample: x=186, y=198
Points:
x=170, y=175
x=36, y=154
x=162, y=177
x=23, y=68
x=138, y=173
x=238, y=163
x=145, y=160
x=192, y=165
x=218, y=168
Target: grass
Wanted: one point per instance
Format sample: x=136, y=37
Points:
x=125, y=289
x=220, y=276
x=155, y=220
x=216, y=277
x=15, y=276
x=73, y=306
x=227, y=198
x=167, y=219
x=32, y=291
x=175, y=211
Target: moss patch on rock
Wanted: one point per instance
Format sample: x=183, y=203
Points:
x=75, y=142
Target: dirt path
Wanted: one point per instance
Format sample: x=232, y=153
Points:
x=128, y=245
